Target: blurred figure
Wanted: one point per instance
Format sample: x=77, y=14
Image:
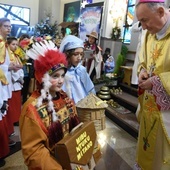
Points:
x=24, y=42
x=106, y=54
x=3, y=126
x=109, y=65
x=6, y=66
x=14, y=109
x=94, y=64
x=136, y=27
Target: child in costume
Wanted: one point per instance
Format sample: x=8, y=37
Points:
x=24, y=43
x=78, y=83
x=48, y=114
x=14, y=109
x=109, y=65
x=106, y=54
x=6, y=65
x=3, y=126
x=94, y=64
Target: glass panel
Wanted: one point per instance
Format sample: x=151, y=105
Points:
x=131, y=2
x=130, y=15
x=127, y=35
x=17, y=15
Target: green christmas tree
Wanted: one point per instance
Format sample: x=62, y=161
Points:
x=46, y=28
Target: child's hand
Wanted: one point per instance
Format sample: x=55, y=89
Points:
x=15, y=67
x=4, y=107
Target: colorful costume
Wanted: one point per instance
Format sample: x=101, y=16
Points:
x=35, y=124
x=46, y=119
x=94, y=64
x=14, y=109
x=153, y=150
x=5, y=60
x=3, y=126
x=109, y=65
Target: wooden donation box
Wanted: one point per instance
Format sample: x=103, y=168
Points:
x=127, y=74
x=77, y=149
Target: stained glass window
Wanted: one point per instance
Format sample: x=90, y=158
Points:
x=17, y=15
x=126, y=33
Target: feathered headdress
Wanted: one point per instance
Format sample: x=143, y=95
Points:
x=47, y=59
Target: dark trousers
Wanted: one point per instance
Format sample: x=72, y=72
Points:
x=25, y=88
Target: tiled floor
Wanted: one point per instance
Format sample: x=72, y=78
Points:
x=118, y=150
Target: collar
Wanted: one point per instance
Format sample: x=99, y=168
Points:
x=162, y=32
x=74, y=68
x=2, y=39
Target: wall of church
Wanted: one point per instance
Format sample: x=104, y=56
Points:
x=69, y=1
x=51, y=7
x=40, y=9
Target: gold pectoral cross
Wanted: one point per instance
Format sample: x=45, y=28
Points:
x=152, y=67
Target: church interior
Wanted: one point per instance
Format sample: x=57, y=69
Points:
x=113, y=20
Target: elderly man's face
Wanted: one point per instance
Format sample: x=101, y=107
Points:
x=152, y=20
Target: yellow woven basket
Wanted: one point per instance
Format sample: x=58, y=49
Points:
x=92, y=108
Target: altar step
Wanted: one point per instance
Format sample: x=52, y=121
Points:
x=127, y=99
x=133, y=89
x=128, y=122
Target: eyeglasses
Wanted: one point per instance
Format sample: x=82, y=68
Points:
x=7, y=26
x=81, y=54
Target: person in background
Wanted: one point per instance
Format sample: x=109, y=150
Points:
x=3, y=126
x=106, y=54
x=24, y=42
x=109, y=65
x=78, y=83
x=42, y=123
x=14, y=109
x=153, y=148
x=94, y=64
x=137, y=28
x=6, y=65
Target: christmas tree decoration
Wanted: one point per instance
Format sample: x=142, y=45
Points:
x=46, y=29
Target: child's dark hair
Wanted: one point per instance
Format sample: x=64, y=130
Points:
x=23, y=36
x=87, y=44
x=10, y=39
x=69, y=53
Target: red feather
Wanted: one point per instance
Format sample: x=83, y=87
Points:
x=44, y=64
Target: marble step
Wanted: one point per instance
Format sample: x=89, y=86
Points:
x=128, y=121
x=133, y=90
x=128, y=99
